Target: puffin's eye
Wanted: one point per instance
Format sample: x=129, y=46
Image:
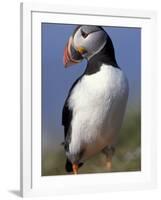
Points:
x=84, y=34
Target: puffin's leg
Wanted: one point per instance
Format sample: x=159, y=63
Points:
x=75, y=168
x=109, y=152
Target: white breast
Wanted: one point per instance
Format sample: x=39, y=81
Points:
x=98, y=102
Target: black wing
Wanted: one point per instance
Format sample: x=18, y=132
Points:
x=66, y=122
x=67, y=118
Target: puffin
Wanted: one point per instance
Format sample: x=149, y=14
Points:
x=95, y=105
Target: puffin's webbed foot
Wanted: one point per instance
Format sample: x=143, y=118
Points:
x=75, y=168
x=109, y=152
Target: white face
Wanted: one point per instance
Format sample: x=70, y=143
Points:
x=90, y=38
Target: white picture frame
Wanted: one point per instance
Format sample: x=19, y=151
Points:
x=32, y=183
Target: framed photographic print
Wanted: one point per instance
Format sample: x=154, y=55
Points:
x=87, y=94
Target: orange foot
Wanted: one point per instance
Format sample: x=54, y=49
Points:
x=75, y=168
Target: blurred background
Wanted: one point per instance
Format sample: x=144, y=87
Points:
x=56, y=82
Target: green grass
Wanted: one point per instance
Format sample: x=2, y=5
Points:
x=127, y=156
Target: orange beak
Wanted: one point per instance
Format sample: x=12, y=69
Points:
x=71, y=56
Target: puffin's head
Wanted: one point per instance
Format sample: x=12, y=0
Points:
x=85, y=42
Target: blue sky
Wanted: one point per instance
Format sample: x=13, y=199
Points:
x=56, y=80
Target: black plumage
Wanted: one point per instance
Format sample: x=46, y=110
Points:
x=67, y=117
